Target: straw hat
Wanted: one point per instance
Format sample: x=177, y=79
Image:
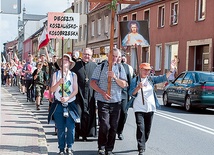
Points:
x=145, y=66
x=72, y=63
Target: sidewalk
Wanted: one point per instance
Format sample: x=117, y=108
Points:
x=21, y=132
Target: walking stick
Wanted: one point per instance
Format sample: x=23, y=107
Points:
x=139, y=71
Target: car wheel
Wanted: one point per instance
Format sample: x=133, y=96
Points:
x=165, y=100
x=188, y=104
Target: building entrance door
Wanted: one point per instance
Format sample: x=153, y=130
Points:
x=202, y=58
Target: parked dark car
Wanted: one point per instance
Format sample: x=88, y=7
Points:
x=191, y=89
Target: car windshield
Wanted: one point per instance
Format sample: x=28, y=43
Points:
x=209, y=77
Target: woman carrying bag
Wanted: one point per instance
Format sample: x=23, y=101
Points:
x=64, y=109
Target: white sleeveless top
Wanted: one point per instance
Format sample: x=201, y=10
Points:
x=68, y=86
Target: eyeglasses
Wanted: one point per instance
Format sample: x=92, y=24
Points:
x=86, y=54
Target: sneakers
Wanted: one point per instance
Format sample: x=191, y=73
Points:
x=120, y=137
x=109, y=153
x=69, y=151
x=61, y=153
x=141, y=152
x=101, y=152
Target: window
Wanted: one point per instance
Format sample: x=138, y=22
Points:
x=68, y=44
x=147, y=15
x=171, y=50
x=85, y=7
x=77, y=9
x=125, y=18
x=92, y=28
x=99, y=26
x=188, y=79
x=158, y=56
x=133, y=59
x=85, y=32
x=161, y=14
x=115, y=23
x=134, y=16
x=106, y=24
x=201, y=6
x=174, y=13
x=81, y=7
x=179, y=78
x=80, y=33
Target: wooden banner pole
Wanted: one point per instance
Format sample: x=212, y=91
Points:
x=138, y=65
x=62, y=64
x=110, y=58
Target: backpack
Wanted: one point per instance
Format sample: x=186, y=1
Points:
x=102, y=65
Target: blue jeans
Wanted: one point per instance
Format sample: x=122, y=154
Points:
x=108, y=114
x=62, y=123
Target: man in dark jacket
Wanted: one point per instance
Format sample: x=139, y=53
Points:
x=85, y=97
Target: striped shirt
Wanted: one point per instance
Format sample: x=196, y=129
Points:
x=102, y=78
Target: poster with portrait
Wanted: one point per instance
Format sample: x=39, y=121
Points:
x=134, y=32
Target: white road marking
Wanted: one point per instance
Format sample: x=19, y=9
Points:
x=185, y=122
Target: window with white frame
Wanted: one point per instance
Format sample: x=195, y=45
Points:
x=201, y=9
x=85, y=32
x=174, y=13
x=80, y=7
x=134, y=16
x=99, y=26
x=161, y=16
x=133, y=62
x=115, y=23
x=80, y=33
x=106, y=24
x=92, y=28
x=158, y=56
x=68, y=44
x=77, y=8
x=171, y=50
x=125, y=18
x=147, y=15
x=85, y=6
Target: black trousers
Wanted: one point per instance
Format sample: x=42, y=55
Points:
x=30, y=90
x=144, y=122
x=108, y=114
x=123, y=116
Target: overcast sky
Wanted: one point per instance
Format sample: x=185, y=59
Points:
x=9, y=22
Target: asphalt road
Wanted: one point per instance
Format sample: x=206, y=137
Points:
x=174, y=132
